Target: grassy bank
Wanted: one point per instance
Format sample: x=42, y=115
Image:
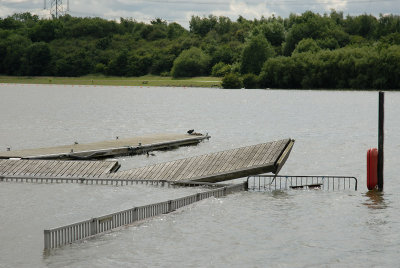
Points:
x=147, y=80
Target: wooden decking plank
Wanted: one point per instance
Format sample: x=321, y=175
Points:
x=24, y=168
x=131, y=174
x=241, y=157
x=154, y=171
x=198, y=165
x=256, y=155
x=65, y=170
x=185, y=162
x=224, y=157
x=97, y=167
x=57, y=168
x=207, y=168
x=128, y=174
x=33, y=170
x=267, y=154
x=170, y=169
x=179, y=164
x=19, y=168
x=260, y=154
x=74, y=169
x=43, y=168
x=75, y=166
x=159, y=169
x=110, y=166
x=227, y=158
x=187, y=168
x=272, y=157
x=106, y=167
x=7, y=165
x=146, y=171
x=85, y=170
x=250, y=156
x=139, y=173
x=61, y=171
x=91, y=170
x=12, y=165
x=279, y=151
x=78, y=170
x=97, y=149
x=46, y=171
x=233, y=162
x=162, y=174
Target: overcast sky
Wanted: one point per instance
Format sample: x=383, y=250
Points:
x=180, y=10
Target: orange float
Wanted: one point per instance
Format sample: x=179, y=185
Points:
x=372, y=168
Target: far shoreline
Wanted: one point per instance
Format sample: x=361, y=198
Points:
x=144, y=81
x=100, y=80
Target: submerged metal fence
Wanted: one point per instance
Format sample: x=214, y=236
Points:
x=271, y=183
x=68, y=234
x=88, y=181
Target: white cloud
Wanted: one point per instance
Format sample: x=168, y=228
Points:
x=333, y=4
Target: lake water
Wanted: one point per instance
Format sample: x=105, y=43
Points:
x=333, y=131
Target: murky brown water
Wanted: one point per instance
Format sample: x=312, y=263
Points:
x=333, y=131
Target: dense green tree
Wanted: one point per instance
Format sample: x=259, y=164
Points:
x=255, y=53
x=307, y=45
x=191, y=62
x=220, y=69
x=321, y=51
x=37, y=59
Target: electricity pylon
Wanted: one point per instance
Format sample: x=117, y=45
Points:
x=56, y=7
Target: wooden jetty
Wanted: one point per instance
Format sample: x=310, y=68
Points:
x=215, y=167
x=104, y=149
x=56, y=168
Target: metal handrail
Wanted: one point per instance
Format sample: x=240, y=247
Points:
x=64, y=235
x=280, y=182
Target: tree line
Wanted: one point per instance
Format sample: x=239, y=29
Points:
x=302, y=51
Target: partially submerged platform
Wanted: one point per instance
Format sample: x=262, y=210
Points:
x=57, y=168
x=215, y=167
x=104, y=149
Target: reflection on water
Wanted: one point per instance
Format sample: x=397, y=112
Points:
x=375, y=200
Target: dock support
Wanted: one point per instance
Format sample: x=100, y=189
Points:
x=381, y=139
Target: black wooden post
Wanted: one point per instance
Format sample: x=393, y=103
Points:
x=380, y=139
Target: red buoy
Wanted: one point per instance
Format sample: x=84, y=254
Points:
x=372, y=168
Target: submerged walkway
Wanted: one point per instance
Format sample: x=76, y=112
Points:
x=56, y=168
x=103, y=149
x=215, y=167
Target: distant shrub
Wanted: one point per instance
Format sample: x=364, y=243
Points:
x=191, y=62
x=307, y=45
x=231, y=81
x=250, y=81
x=220, y=69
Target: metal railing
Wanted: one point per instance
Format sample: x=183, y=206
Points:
x=282, y=182
x=68, y=234
x=88, y=181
